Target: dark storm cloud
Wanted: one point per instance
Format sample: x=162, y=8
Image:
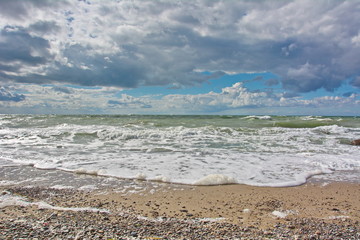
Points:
x=19, y=46
x=137, y=43
x=96, y=70
x=124, y=74
x=8, y=68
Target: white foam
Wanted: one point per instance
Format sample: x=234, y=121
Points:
x=45, y=166
x=88, y=187
x=8, y=182
x=299, y=179
x=332, y=129
x=206, y=155
x=246, y=210
x=339, y=217
x=258, y=117
x=140, y=176
x=44, y=205
x=7, y=199
x=61, y=187
x=215, y=179
x=280, y=214
x=161, y=179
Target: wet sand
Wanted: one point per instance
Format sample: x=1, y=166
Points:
x=142, y=210
x=250, y=206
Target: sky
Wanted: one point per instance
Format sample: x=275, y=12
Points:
x=273, y=57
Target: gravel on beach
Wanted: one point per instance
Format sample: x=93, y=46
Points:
x=85, y=225
x=34, y=222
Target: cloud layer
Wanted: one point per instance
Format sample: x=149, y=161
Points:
x=236, y=99
x=308, y=44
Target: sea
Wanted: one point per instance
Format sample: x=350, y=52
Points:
x=272, y=151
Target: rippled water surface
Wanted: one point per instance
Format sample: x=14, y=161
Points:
x=255, y=150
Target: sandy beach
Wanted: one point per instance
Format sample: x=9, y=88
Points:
x=316, y=210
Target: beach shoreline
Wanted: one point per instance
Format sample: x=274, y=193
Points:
x=145, y=210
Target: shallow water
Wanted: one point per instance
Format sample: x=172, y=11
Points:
x=254, y=150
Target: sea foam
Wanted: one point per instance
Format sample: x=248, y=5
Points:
x=7, y=199
x=215, y=179
x=201, y=150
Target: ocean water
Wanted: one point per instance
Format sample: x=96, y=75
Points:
x=201, y=150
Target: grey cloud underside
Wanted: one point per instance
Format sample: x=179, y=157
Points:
x=44, y=27
x=19, y=46
x=309, y=45
x=20, y=9
x=8, y=96
x=356, y=82
x=127, y=101
x=137, y=104
x=62, y=90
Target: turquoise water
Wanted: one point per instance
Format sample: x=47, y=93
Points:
x=255, y=150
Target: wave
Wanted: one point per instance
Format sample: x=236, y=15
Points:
x=301, y=124
x=187, y=150
x=208, y=180
x=258, y=117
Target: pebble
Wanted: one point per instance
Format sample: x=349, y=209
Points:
x=51, y=224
